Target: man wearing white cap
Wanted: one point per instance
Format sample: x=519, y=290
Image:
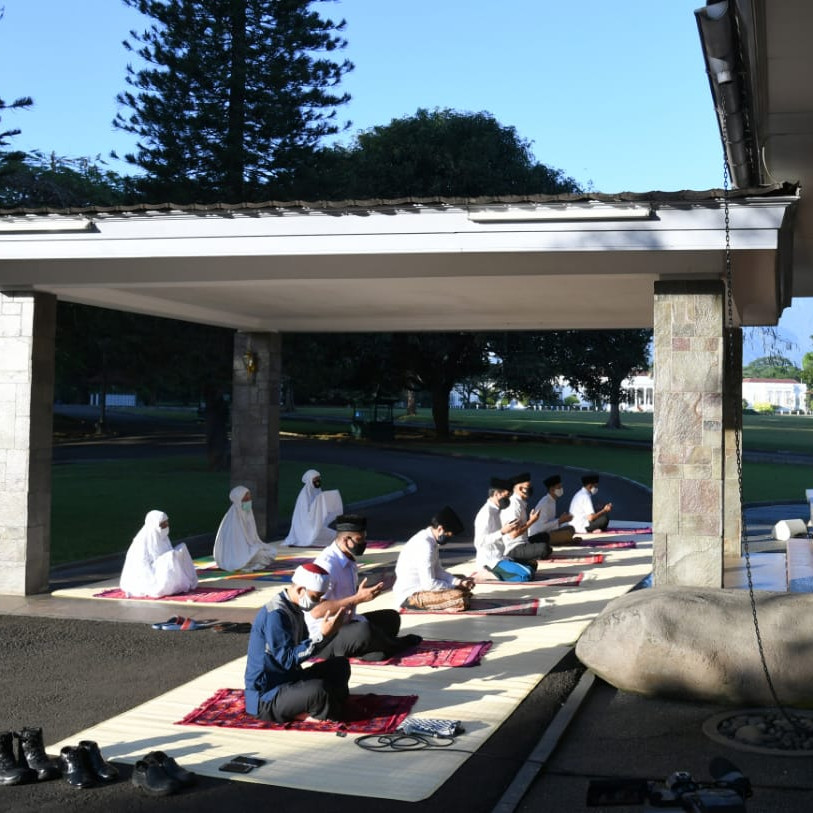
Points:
x=278, y=688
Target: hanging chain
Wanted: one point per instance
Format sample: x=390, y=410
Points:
x=732, y=370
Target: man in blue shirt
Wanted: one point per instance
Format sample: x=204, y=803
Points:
x=278, y=688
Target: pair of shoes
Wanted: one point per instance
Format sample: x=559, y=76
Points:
x=232, y=626
x=11, y=771
x=160, y=775
x=83, y=765
x=31, y=754
x=179, y=623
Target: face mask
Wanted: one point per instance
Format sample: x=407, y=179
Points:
x=357, y=548
x=306, y=602
x=246, y=506
x=443, y=539
x=503, y=503
x=594, y=490
x=558, y=492
x=164, y=532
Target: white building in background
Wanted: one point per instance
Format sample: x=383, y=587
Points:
x=783, y=394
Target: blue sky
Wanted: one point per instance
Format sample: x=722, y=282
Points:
x=612, y=93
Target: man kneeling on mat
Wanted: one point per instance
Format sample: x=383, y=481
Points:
x=370, y=636
x=278, y=689
x=420, y=582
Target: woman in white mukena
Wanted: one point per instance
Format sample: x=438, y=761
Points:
x=238, y=545
x=313, y=511
x=153, y=567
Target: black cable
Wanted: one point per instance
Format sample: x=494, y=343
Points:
x=404, y=743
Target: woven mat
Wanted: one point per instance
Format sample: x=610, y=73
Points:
x=435, y=654
x=559, y=559
x=487, y=606
x=363, y=714
x=626, y=531
x=200, y=595
x=606, y=544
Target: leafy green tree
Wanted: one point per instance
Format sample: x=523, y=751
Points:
x=40, y=180
x=597, y=361
x=439, y=153
x=235, y=95
x=771, y=367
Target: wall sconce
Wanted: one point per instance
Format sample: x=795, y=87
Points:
x=250, y=363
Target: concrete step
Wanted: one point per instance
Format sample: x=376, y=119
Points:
x=768, y=572
x=800, y=565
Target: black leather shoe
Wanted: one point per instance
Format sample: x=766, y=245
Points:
x=10, y=772
x=172, y=769
x=105, y=772
x=31, y=754
x=152, y=778
x=76, y=767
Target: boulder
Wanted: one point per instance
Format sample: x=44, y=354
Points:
x=699, y=643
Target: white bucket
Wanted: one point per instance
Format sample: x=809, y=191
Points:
x=786, y=528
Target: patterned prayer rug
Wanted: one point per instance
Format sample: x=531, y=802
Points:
x=647, y=529
x=559, y=559
x=605, y=544
x=363, y=714
x=435, y=654
x=200, y=595
x=487, y=606
x=562, y=580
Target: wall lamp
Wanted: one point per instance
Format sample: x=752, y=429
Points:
x=250, y=363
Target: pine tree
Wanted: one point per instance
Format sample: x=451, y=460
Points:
x=235, y=96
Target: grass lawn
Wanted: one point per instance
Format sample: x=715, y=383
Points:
x=98, y=507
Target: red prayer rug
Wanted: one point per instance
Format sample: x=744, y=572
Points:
x=562, y=580
x=363, y=714
x=560, y=559
x=434, y=654
x=200, y=595
x=487, y=606
x=380, y=544
x=605, y=544
x=647, y=529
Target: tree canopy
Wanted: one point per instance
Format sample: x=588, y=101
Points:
x=438, y=153
x=773, y=366
x=234, y=98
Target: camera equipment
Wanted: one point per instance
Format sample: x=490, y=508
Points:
x=726, y=794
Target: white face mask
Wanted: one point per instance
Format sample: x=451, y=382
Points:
x=306, y=602
x=558, y=492
x=246, y=506
x=594, y=490
x=164, y=532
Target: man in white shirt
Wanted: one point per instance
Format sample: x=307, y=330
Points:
x=518, y=545
x=371, y=636
x=585, y=516
x=420, y=582
x=556, y=527
x=489, y=529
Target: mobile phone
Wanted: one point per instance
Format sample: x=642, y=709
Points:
x=255, y=762
x=236, y=767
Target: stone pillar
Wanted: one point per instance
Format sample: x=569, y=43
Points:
x=732, y=418
x=27, y=330
x=688, y=437
x=255, y=423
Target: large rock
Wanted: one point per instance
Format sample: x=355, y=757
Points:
x=700, y=644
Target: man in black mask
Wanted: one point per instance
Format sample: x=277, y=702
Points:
x=489, y=528
x=517, y=544
x=372, y=636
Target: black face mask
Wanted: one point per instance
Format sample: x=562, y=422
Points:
x=357, y=548
x=442, y=539
x=503, y=503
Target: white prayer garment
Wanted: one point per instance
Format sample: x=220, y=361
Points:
x=153, y=567
x=237, y=544
x=313, y=511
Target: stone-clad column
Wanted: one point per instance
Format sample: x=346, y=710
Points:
x=27, y=329
x=688, y=435
x=255, y=423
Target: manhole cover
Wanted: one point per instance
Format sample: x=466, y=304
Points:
x=763, y=731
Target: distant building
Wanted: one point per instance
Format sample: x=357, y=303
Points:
x=783, y=394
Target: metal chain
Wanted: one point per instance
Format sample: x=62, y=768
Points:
x=731, y=334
